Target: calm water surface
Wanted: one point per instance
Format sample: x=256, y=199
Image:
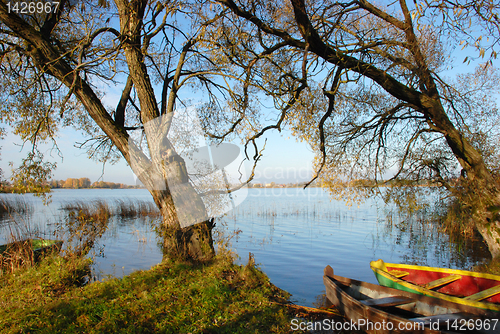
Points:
x=293, y=234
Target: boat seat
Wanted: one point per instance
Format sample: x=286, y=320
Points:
x=441, y=281
x=398, y=273
x=484, y=294
x=443, y=317
x=387, y=301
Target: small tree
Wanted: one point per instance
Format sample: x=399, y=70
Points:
x=68, y=183
x=84, y=182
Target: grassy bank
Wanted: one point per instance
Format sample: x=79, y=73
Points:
x=219, y=297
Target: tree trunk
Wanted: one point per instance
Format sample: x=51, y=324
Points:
x=191, y=243
x=478, y=189
x=491, y=236
x=186, y=228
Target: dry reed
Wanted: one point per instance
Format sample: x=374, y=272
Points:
x=15, y=205
x=134, y=209
x=15, y=255
x=97, y=209
x=18, y=252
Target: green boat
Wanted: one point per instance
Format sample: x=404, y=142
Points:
x=40, y=247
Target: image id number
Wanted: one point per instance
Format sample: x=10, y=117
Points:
x=32, y=7
x=471, y=324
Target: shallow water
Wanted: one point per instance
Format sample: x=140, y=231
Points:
x=293, y=234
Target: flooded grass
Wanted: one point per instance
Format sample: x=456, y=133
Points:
x=84, y=225
x=134, y=209
x=423, y=233
x=101, y=210
x=16, y=205
x=18, y=252
x=81, y=227
x=97, y=209
x=310, y=212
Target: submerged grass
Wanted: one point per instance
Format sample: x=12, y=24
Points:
x=83, y=226
x=99, y=209
x=133, y=209
x=15, y=255
x=218, y=297
x=9, y=206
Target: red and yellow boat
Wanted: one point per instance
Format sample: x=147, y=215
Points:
x=459, y=286
x=380, y=310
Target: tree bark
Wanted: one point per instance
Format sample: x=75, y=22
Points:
x=192, y=243
x=186, y=230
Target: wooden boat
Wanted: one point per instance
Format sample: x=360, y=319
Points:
x=40, y=247
x=459, y=286
x=378, y=309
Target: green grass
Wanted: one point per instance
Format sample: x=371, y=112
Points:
x=219, y=297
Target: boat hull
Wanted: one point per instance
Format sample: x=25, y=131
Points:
x=377, y=309
x=40, y=247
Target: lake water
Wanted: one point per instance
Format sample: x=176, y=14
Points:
x=293, y=234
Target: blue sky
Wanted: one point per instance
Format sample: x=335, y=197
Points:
x=284, y=160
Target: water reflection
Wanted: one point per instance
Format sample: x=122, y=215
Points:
x=293, y=233
x=426, y=243
x=128, y=244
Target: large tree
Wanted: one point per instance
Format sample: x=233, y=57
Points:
x=59, y=58
x=365, y=84
x=375, y=90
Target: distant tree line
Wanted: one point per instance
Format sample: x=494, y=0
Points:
x=84, y=182
x=71, y=183
x=350, y=183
